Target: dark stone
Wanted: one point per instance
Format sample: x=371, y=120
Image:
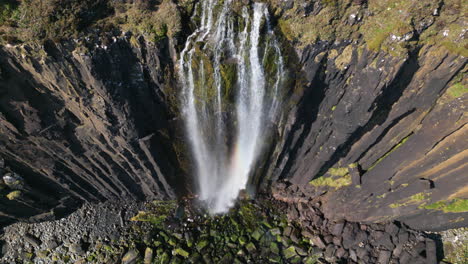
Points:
x=384, y=257
x=353, y=236
x=353, y=255
x=328, y=239
x=318, y=220
x=294, y=238
x=3, y=248
x=34, y=241
x=319, y=242
x=385, y=241
x=287, y=231
x=293, y=213
x=403, y=237
x=398, y=249
x=405, y=258
x=419, y=249
x=330, y=251
x=355, y=176
x=337, y=228
x=51, y=244
x=307, y=234
x=337, y=241
x=366, y=259
x=377, y=227
x=431, y=251
x=340, y=253
x=392, y=229
x=362, y=253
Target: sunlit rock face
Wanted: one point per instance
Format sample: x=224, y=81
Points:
x=230, y=93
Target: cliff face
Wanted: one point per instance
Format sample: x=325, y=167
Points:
x=388, y=132
x=86, y=125
x=375, y=125
x=377, y=134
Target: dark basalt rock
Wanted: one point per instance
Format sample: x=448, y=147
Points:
x=376, y=119
x=87, y=125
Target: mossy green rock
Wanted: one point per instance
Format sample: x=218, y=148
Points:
x=180, y=252
x=201, y=245
x=250, y=247
x=274, y=248
x=131, y=257
x=290, y=252
x=257, y=234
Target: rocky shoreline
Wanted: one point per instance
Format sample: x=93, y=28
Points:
x=267, y=230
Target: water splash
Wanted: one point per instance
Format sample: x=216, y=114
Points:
x=231, y=71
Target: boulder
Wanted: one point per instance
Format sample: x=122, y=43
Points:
x=317, y=241
x=384, y=257
x=131, y=257
x=148, y=256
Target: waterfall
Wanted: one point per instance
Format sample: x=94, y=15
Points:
x=231, y=72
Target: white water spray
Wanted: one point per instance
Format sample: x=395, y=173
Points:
x=230, y=91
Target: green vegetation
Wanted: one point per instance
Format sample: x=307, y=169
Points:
x=8, y=11
x=455, y=243
x=197, y=237
x=452, y=206
x=31, y=20
x=390, y=25
x=457, y=90
x=449, y=29
x=338, y=171
x=144, y=18
x=340, y=178
x=157, y=212
x=414, y=199
x=14, y=195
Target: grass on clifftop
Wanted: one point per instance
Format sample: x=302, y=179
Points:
x=33, y=20
x=389, y=25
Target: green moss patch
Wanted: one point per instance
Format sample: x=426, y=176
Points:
x=157, y=212
x=338, y=171
x=14, y=195
x=340, y=179
x=452, y=206
x=457, y=90
x=8, y=11
x=414, y=199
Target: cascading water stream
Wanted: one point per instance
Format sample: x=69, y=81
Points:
x=231, y=72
